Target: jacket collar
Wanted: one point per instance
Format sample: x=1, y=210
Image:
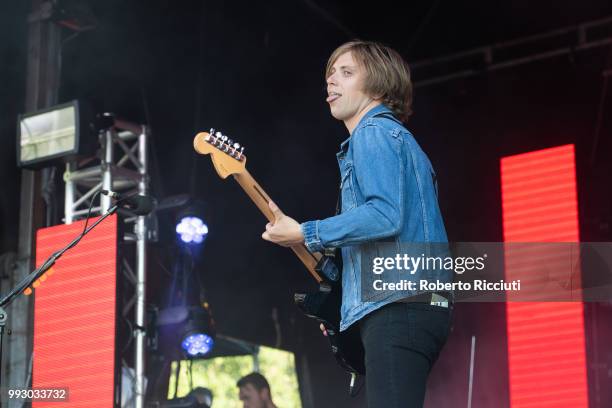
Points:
x=377, y=110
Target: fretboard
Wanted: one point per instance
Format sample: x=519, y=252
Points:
x=261, y=200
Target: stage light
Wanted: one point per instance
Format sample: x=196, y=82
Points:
x=198, y=335
x=192, y=230
x=186, y=331
x=197, y=344
x=55, y=134
x=199, y=397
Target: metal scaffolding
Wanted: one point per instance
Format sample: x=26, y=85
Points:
x=128, y=174
x=555, y=43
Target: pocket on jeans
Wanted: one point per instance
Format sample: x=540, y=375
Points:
x=430, y=327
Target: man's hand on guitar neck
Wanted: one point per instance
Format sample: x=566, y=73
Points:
x=284, y=231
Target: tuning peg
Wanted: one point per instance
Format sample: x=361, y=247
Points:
x=235, y=147
x=210, y=136
x=219, y=140
x=230, y=142
x=240, y=154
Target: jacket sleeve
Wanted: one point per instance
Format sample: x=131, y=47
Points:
x=380, y=172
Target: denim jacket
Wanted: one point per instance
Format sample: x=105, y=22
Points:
x=388, y=193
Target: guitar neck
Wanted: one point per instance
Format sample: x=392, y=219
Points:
x=261, y=200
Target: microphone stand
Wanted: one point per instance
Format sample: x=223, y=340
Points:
x=37, y=273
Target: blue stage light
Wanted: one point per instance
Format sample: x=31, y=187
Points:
x=197, y=344
x=192, y=230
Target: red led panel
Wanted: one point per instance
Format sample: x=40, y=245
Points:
x=546, y=345
x=74, y=315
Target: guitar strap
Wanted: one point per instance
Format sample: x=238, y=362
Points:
x=389, y=116
x=334, y=254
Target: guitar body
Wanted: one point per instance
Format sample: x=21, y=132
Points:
x=324, y=306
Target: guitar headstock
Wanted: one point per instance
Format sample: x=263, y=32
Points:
x=227, y=156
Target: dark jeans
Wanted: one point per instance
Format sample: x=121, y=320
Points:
x=402, y=341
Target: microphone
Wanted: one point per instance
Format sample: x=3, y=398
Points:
x=138, y=204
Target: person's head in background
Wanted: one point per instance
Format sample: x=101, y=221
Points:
x=254, y=391
x=203, y=396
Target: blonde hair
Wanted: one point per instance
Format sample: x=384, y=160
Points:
x=388, y=75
